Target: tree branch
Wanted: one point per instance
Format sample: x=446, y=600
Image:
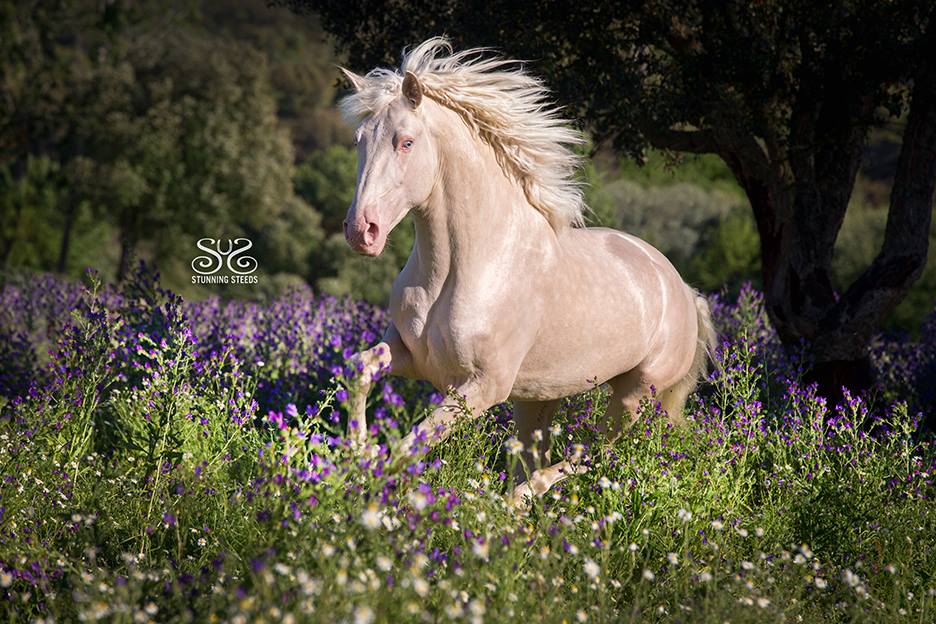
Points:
x=692, y=141
x=721, y=141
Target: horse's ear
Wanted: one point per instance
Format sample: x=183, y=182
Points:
x=358, y=82
x=412, y=90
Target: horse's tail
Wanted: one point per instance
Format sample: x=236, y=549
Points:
x=674, y=398
x=707, y=340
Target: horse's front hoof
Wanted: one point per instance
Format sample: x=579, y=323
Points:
x=370, y=451
x=521, y=499
x=366, y=449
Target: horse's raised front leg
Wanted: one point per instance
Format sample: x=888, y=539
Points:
x=391, y=355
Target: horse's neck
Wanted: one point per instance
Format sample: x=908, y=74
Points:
x=472, y=214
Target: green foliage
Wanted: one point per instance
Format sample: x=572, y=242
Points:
x=602, y=212
x=207, y=156
x=326, y=181
x=27, y=238
x=301, y=65
x=657, y=168
x=160, y=138
x=729, y=254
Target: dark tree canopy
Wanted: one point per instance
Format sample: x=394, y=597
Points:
x=784, y=91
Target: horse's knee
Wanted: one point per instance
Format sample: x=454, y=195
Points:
x=486, y=391
x=368, y=365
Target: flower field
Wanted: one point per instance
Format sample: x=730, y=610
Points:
x=165, y=460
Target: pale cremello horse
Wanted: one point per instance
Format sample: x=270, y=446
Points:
x=505, y=295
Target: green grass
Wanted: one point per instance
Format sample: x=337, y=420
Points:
x=152, y=504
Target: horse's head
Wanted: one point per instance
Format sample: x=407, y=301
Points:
x=397, y=166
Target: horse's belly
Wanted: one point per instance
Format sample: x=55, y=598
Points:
x=589, y=339
x=603, y=318
x=560, y=366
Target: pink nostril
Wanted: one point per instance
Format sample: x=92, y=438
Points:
x=345, y=224
x=371, y=234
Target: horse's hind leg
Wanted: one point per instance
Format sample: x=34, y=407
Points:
x=631, y=387
x=540, y=482
x=625, y=399
x=627, y=391
x=674, y=399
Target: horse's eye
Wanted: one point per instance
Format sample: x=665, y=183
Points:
x=406, y=145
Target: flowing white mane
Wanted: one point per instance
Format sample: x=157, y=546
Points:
x=509, y=109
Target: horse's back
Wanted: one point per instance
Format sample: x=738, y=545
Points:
x=626, y=247
x=629, y=265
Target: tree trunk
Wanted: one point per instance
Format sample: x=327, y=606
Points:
x=6, y=245
x=123, y=266
x=70, y=214
x=797, y=251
